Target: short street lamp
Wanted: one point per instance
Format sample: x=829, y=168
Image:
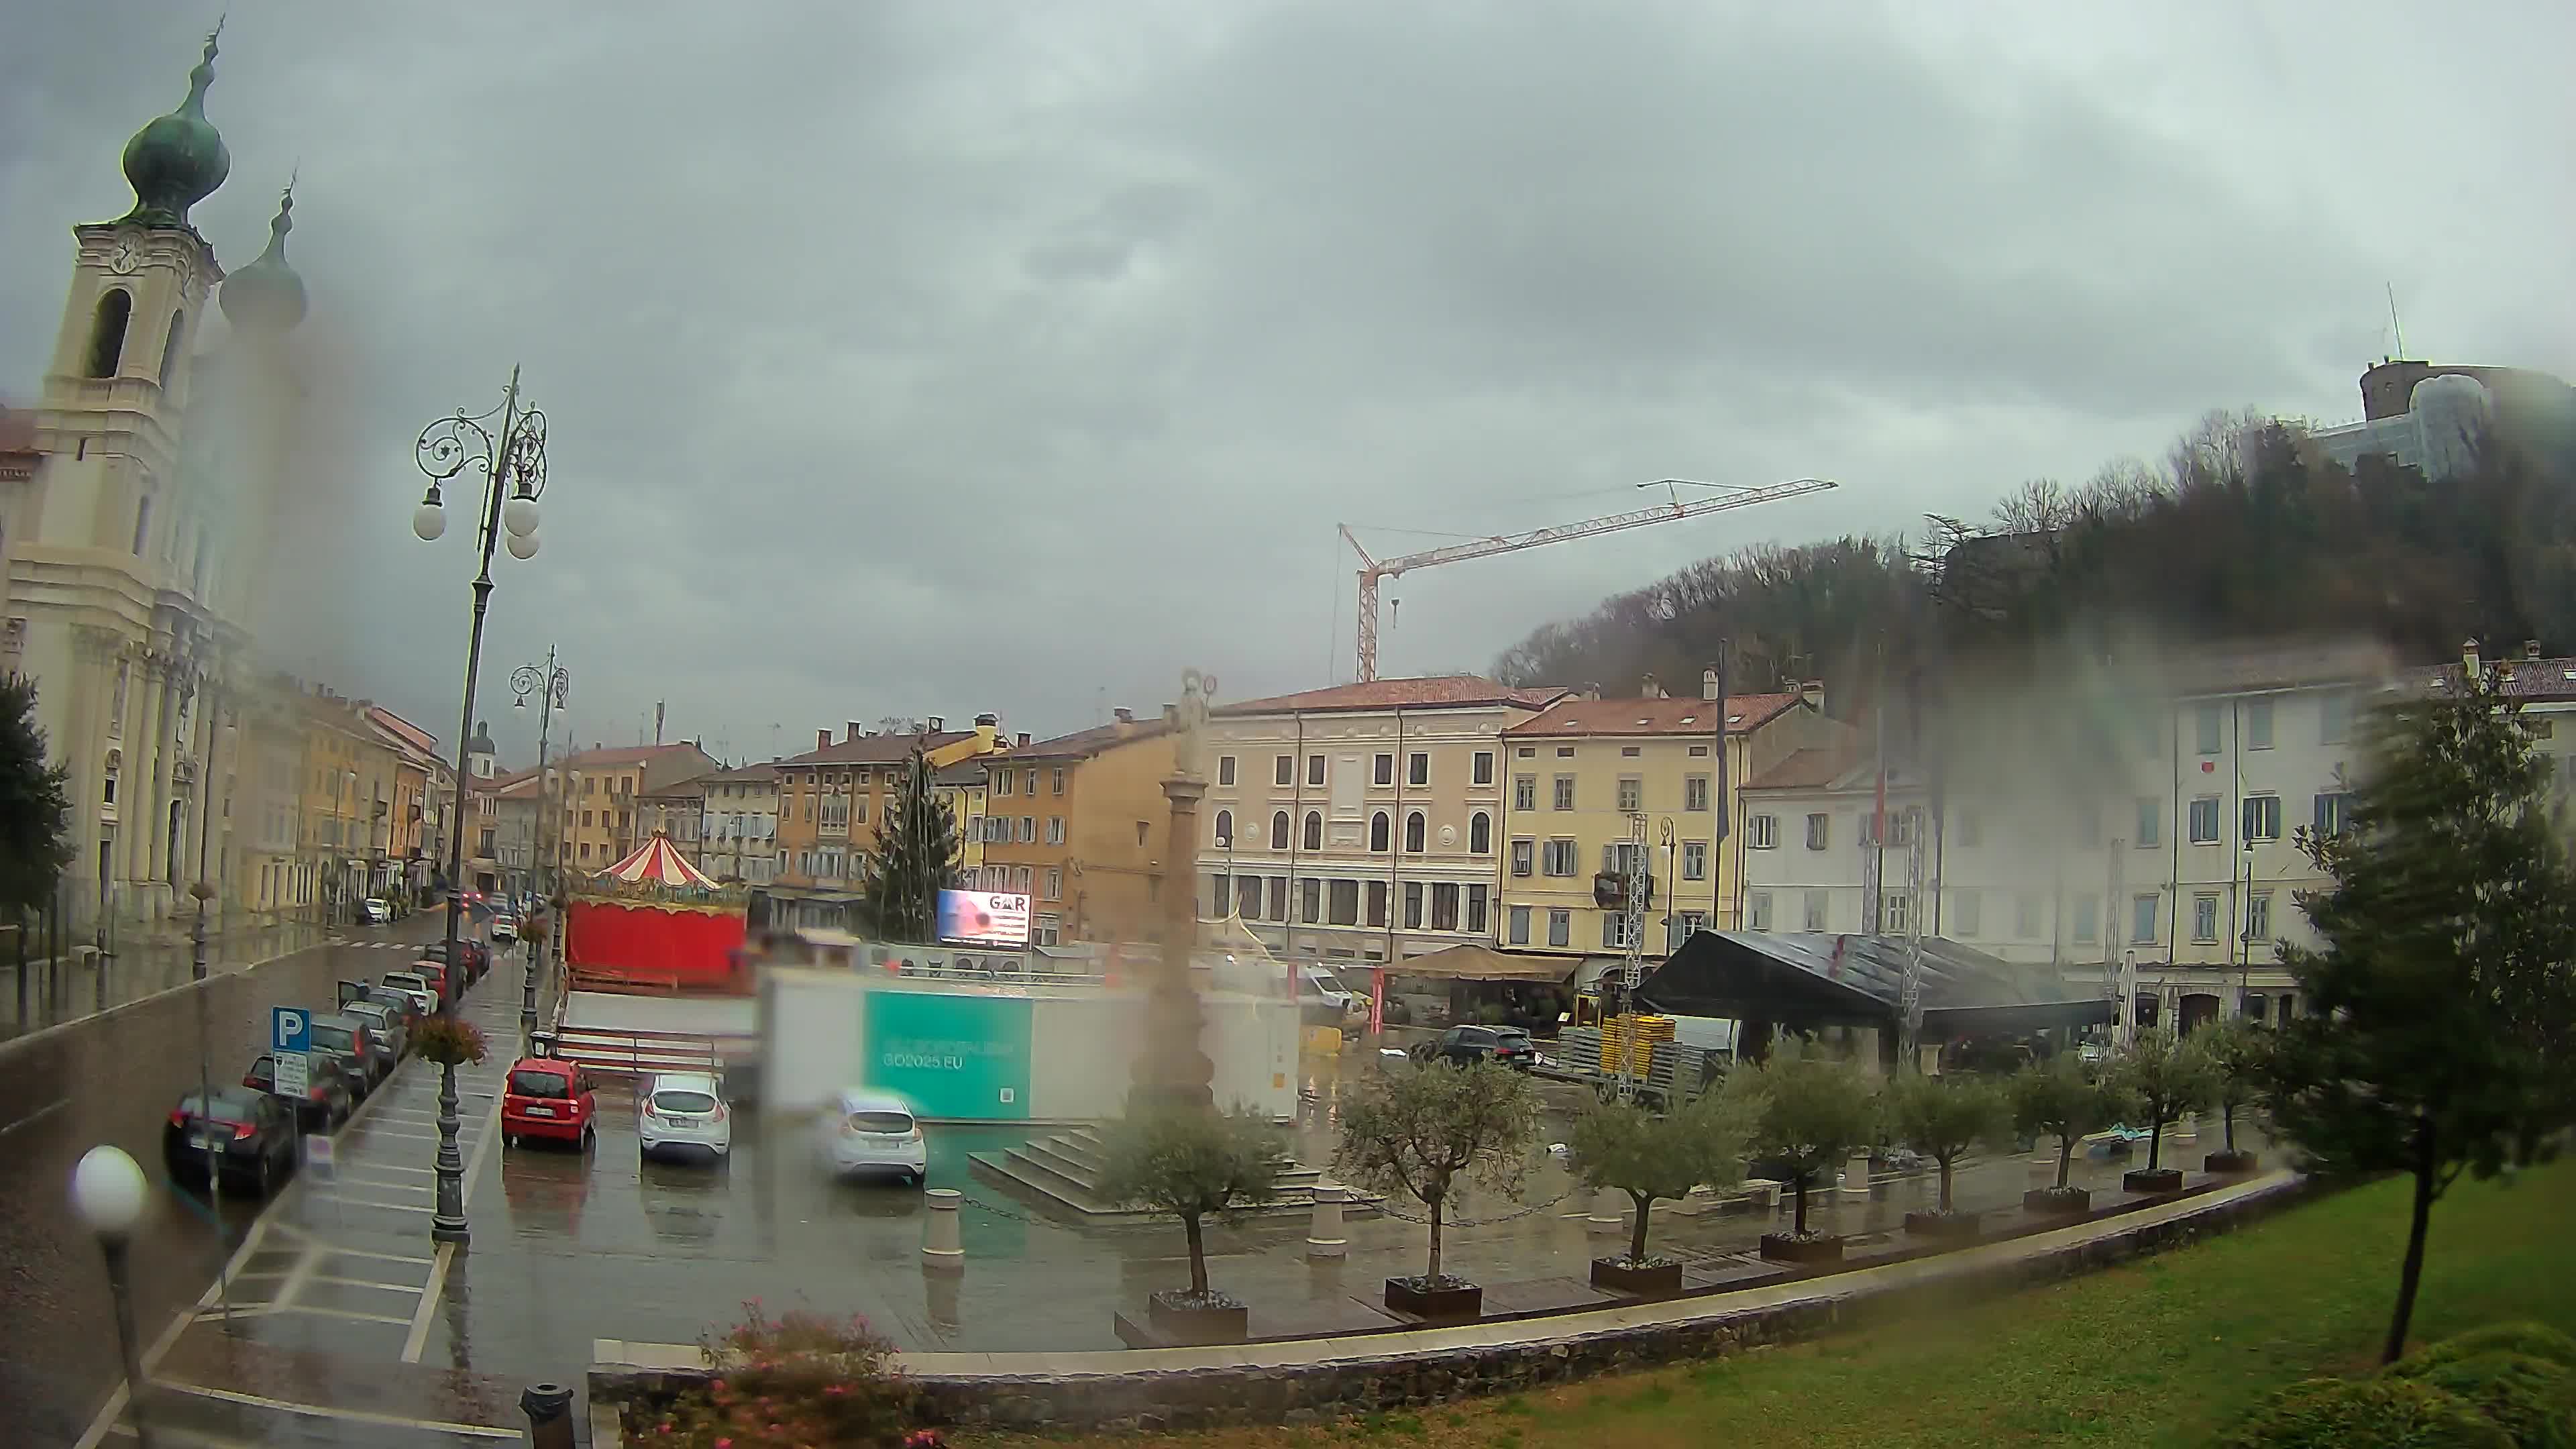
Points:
x=551, y=684
x=513, y=464
x=109, y=1193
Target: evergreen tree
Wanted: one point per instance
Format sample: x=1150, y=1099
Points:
x=914, y=860
x=2442, y=1006
x=34, y=809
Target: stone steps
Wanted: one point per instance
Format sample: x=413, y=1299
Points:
x=1062, y=1171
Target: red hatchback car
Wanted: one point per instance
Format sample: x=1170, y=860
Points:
x=548, y=1097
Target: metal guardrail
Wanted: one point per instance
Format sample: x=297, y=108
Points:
x=642, y=1053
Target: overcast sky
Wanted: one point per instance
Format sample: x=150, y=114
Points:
x=933, y=358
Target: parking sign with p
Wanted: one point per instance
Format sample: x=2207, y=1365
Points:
x=290, y=1036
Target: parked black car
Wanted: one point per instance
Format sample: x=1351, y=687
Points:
x=327, y=1096
x=477, y=957
x=1460, y=1045
x=361, y=1052
x=252, y=1132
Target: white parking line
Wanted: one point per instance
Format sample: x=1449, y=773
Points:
x=367, y=1283
x=369, y=1202
x=355, y=1416
x=343, y=1313
x=380, y=1257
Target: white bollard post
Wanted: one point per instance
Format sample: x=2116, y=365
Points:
x=941, y=1245
x=1609, y=1211
x=1324, y=1235
x=1856, y=1174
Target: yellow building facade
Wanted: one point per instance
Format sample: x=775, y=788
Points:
x=1587, y=778
x=1079, y=824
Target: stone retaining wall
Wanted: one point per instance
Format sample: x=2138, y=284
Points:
x=1306, y=1381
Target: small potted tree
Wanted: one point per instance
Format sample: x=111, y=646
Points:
x=2060, y=1099
x=1805, y=1115
x=1943, y=1118
x=1189, y=1163
x=2162, y=1076
x=1425, y=1131
x=2241, y=1050
x=1624, y=1146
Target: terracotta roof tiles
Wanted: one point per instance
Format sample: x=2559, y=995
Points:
x=1455, y=691
x=1660, y=716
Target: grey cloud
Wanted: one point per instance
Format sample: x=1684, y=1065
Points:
x=925, y=359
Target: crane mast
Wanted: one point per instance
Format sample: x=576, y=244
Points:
x=1375, y=571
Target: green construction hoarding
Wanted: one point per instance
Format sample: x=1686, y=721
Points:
x=961, y=1057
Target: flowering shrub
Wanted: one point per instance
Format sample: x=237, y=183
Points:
x=798, y=1381
x=450, y=1041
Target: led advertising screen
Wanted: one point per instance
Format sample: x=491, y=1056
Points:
x=984, y=918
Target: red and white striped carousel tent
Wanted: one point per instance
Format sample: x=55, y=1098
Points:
x=656, y=863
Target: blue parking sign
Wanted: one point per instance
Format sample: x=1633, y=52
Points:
x=290, y=1029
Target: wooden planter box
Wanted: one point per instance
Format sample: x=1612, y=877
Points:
x=1656, y=1279
x=2232, y=1162
x=1182, y=1319
x=1952, y=1226
x=1789, y=1248
x=2048, y=1202
x=1449, y=1300
x=2151, y=1179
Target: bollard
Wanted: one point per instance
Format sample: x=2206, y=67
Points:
x=2188, y=1129
x=1856, y=1174
x=1609, y=1211
x=549, y=1411
x=1324, y=1235
x=941, y=1245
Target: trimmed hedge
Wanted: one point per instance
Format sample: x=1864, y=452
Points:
x=2385, y=1413
x=2538, y=1340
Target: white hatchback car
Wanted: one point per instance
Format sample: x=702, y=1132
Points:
x=870, y=1131
x=684, y=1112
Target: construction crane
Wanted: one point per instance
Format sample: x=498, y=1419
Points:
x=1374, y=571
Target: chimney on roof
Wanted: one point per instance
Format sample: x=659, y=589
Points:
x=851, y=730
x=1021, y=739
x=938, y=724
x=1592, y=691
x=1649, y=688
x=2531, y=649
x=823, y=739
x=2469, y=657
x=1123, y=722
x=1812, y=691
x=988, y=727
x=1708, y=684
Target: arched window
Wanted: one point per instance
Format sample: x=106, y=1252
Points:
x=1413, y=833
x=1279, y=830
x=1378, y=831
x=1314, y=830
x=170, y=348
x=107, y=333
x=1225, y=827
x=1480, y=833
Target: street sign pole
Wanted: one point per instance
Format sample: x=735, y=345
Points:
x=290, y=1036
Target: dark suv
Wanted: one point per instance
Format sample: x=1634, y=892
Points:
x=1459, y=1046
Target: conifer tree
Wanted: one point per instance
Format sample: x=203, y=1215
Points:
x=914, y=860
x=34, y=807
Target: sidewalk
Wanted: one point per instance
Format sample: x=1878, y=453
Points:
x=82, y=983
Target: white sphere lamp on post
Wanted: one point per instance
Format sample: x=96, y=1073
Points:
x=110, y=1194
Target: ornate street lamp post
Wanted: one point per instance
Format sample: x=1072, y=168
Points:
x=513, y=463
x=1173, y=1070
x=109, y=1193
x=552, y=684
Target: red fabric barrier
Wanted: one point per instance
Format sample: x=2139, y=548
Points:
x=678, y=946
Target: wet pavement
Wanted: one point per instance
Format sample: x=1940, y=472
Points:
x=344, y=1288
x=84, y=984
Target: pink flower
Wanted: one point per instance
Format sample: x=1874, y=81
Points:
x=724, y=1444
x=834, y=1389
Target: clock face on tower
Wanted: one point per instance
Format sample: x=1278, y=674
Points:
x=126, y=257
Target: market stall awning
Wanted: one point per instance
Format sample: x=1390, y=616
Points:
x=656, y=863
x=1813, y=979
x=1481, y=963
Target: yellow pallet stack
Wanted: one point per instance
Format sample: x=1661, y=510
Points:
x=1633, y=1039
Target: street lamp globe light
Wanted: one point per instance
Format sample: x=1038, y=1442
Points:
x=523, y=545
x=519, y=515
x=109, y=1192
x=429, y=520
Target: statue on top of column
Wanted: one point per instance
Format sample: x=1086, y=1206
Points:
x=1189, y=739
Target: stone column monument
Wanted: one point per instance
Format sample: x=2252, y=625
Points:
x=1173, y=1069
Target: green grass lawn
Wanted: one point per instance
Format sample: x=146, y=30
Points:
x=2163, y=1352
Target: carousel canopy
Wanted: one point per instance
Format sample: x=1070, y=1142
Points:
x=656, y=863
x=1809, y=978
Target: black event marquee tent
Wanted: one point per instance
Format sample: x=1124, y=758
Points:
x=1805, y=980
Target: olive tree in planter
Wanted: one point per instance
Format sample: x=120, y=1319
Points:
x=2162, y=1076
x=1807, y=1113
x=1425, y=1131
x=1944, y=1118
x=1623, y=1145
x=1190, y=1164
x=2061, y=1098
x=2240, y=1049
